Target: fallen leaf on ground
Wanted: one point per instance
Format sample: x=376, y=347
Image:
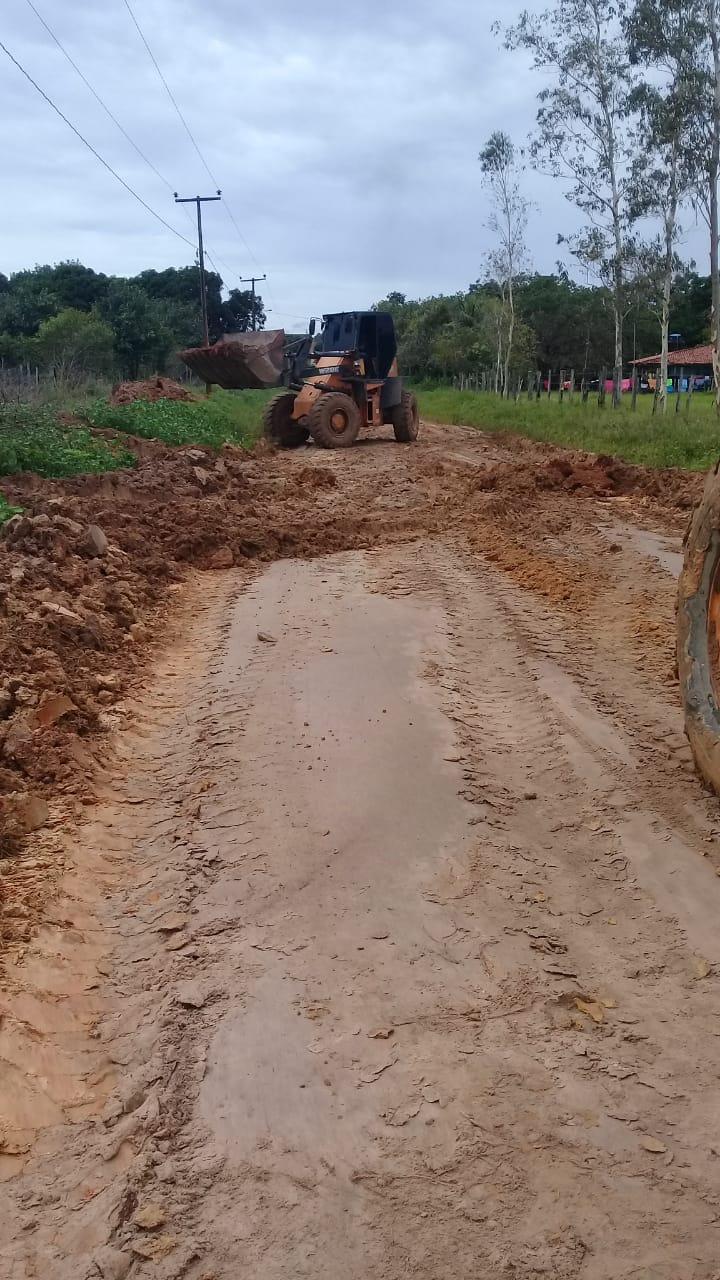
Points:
x=593, y=1008
x=154, y=1247
x=149, y=1216
x=654, y=1145
x=701, y=967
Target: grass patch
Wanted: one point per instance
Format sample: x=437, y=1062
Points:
x=689, y=440
x=32, y=439
x=6, y=511
x=225, y=417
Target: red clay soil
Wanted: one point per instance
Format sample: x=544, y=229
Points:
x=88, y=570
x=149, y=389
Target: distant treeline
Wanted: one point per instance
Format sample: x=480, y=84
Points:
x=74, y=322
x=560, y=325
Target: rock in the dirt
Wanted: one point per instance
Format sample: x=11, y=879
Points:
x=149, y=1217
x=95, y=542
x=223, y=558
x=18, y=735
x=52, y=707
x=59, y=611
x=192, y=995
x=112, y=1264
x=266, y=637
x=66, y=525
x=138, y=632
x=16, y=527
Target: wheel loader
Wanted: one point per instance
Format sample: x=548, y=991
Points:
x=336, y=382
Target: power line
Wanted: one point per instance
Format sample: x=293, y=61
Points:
x=97, y=98
x=91, y=148
x=171, y=96
x=116, y=122
x=186, y=127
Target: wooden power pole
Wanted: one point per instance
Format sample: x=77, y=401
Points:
x=198, y=201
x=251, y=280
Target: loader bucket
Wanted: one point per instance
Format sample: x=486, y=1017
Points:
x=240, y=361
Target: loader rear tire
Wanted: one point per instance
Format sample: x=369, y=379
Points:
x=698, y=632
x=405, y=418
x=279, y=425
x=334, y=421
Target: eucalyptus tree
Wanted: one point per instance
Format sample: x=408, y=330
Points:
x=508, y=222
x=583, y=130
x=666, y=39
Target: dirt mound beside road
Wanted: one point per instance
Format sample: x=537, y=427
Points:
x=149, y=389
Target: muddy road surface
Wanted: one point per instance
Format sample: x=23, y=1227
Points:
x=386, y=943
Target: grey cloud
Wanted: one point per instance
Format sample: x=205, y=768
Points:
x=345, y=138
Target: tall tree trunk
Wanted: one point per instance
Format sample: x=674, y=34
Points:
x=670, y=220
x=713, y=174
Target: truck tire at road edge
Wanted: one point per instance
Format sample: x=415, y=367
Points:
x=698, y=632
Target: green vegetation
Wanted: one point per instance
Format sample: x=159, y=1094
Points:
x=6, y=511
x=684, y=440
x=109, y=324
x=226, y=417
x=32, y=439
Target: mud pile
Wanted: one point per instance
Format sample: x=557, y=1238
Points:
x=87, y=570
x=150, y=389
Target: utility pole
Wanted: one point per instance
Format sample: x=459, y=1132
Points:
x=198, y=201
x=251, y=280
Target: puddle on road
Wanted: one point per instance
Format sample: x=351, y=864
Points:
x=661, y=547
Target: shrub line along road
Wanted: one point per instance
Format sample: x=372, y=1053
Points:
x=390, y=945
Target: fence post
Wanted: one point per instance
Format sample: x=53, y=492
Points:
x=572, y=385
x=549, y=390
x=602, y=389
x=584, y=389
x=562, y=385
x=679, y=389
x=531, y=384
x=689, y=395
x=634, y=388
x=538, y=385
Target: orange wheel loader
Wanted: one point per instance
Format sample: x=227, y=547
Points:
x=336, y=382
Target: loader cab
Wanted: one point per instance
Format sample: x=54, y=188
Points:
x=368, y=334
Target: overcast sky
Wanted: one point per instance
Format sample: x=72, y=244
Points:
x=344, y=136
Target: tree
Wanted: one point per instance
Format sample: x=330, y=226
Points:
x=73, y=344
x=508, y=222
x=240, y=310
x=664, y=35
x=141, y=336
x=582, y=128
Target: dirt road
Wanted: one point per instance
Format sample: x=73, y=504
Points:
x=389, y=946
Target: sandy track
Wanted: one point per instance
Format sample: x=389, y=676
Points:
x=390, y=947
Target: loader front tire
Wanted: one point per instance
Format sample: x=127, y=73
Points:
x=698, y=632
x=334, y=421
x=279, y=424
x=405, y=418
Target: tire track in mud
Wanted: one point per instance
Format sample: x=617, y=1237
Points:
x=370, y=958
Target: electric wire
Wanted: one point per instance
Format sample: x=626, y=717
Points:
x=118, y=124
x=97, y=98
x=159, y=218
x=187, y=128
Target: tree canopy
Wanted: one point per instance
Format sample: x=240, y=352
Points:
x=149, y=317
